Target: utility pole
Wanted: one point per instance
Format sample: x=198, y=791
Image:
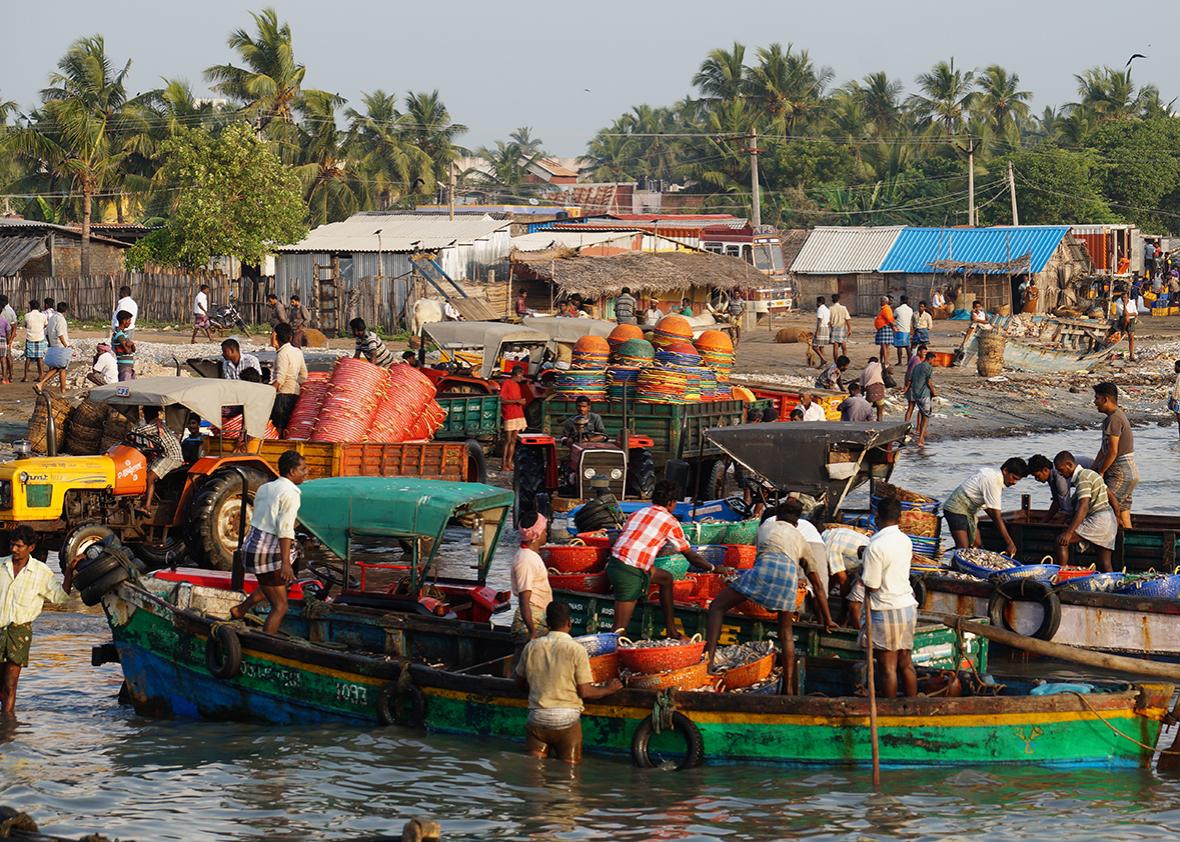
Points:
x=970, y=182
x=451, y=190
x=754, y=189
x=1012, y=194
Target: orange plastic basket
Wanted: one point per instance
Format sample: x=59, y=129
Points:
x=652, y=659
x=691, y=677
x=740, y=556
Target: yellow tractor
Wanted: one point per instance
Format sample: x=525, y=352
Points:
x=73, y=502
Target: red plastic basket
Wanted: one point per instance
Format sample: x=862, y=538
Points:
x=682, y=591
x=593, y=539
x=604, y=667
x=576, y=563
x=691, y=677
x=651, y=659
x=740, y=556
x=706, y=585
x=582, y=582
x=1070, y=572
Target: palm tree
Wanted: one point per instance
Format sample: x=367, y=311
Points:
x=722, y=74
x=1000, y=101
x=84, y=129
x=1106, y=94
x=787, y=86
x=610, y=155
x=529, y=145
x=330, y=188
x=429, y=126
x=882, y=102
x=378, y=145
x=269, y=83
x=508, y=165
x=946, y=97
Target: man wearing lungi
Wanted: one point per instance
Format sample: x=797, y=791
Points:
x=1093, y=520
x=886, y=580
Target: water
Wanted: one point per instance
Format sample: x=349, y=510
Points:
x=78, y=762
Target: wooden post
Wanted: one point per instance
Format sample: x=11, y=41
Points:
x=870, y=665
x=336, y=293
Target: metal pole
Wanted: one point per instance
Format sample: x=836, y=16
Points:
x=756, y=212
x=451, y=190
x=970, y=182
x=1012, y=194
x=238, y=574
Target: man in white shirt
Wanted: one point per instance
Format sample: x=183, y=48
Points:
x=25, y=585
x=126, y=304
x=35, y=342
x=234, y=362
x=841, y=323
x=886, y=579
x=903, y=325
x=104, y=370
x=58, y=354
x=982, y=492
x=201, y=314
x=290, y=373
x=823, y=330
x=812, y=411
x=269, y=545
x=844, y=548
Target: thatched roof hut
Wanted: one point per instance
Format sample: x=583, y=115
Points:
x=598, y=277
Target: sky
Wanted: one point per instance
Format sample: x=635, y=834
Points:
x=567, y=70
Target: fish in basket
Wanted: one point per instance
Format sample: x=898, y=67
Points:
x=692, y=677
x=650, y=656
x=745, y=664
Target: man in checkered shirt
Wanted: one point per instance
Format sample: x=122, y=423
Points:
x=631, y=568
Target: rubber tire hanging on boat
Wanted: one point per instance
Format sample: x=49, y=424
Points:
x=409, y=707
x=90, y=570
x=918, y=586
x=93, y=593
x=694, y=747
x=223, y=653
x=1025, y=590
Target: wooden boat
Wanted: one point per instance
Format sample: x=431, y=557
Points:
x=1152, y=543
x=832, y=729
x=1116, y=623
x=334, y=660
x=1062, y=346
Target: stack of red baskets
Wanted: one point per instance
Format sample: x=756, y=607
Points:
x=357, y=389
x=407, y=411
x=307, y=410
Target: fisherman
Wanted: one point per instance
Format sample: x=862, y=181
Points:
x=812, y=410
x=625, y=307
x=903, y=325
x=772, y=583
x=886, y=580
x=1061, y=502
x=104, y=370
x=555, y=669
x=920, y=393
x=165, y=453
x=982, y=491
x=234, y=362
x=1094, y=521
x=734, y=312
x=369, y=345
x=530, y=580
x=299, y=317
x=57, y=332
x=832, y=377
x=290, y=373
x=872, y=380
x=127, y=305
x=512, y=403
x=269, y=547
x=584, y=425
x=631, y=568
x=201, y=314
x=35, y=342
x=1174, y=395
x=25, y=585
x=1116, y=457
x=841, y=322
x=844, y=548
x=885, y=330
x=855, y=407
x=7, y=335
x=823, y=329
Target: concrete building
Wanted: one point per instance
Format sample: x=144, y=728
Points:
x=32, y=249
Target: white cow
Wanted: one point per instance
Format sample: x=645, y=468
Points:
x=425, y=311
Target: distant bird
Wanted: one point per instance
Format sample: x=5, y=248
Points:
x=587, y=90
x=1132, y=58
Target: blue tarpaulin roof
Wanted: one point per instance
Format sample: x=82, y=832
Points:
x=916, y=248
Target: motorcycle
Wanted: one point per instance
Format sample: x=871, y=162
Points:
x=227, y=317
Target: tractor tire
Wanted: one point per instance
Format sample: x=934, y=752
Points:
x=713, y=483
x=91, y=570
x=528, y=477
x=79, y=539
x=93, y=593
x=213, y=517
x=641, y=474
x=168, y=554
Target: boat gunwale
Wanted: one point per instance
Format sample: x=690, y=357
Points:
x=1068, y=596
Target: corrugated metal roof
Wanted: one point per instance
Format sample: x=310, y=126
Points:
x=399, y=233
x=16, y=251
x=542, y=240
x=915, y=248
x=9, y=223
x=837, y=250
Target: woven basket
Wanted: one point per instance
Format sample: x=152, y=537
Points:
x=742, y=532
x=706, y=585
x=690, y=677
x=604, y=667
x=990, y=361
x=675, y=564
x=652, y=659
x=682, y=591
x=740, y=556
x=573, y=558
x=922, y=524
x=749, y=674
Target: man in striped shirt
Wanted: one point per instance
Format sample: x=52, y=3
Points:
x=632, y=569
x=1094, y=520
x=369, y=345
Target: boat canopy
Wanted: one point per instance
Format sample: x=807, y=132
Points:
x=797, y=455
x=337, y=509
x=566, y=330
x=490, y=337
x=205, y=397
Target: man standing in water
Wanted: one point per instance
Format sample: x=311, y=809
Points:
x=25, y=585
x=556, y=670
x=1115, y=461
x=269, y=548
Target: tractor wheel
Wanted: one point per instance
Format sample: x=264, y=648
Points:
x=167, y=554
x=214, y=515
x=641, y=474
x=528, y=477
x=79, y=539
x=715, y=481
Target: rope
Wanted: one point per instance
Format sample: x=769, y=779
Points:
x=1127, y=737
x=662, y=710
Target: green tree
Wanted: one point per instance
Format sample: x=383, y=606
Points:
x=429, y=126
x=1055, y=185
x=1140, y=166
x=234, y=197
x=945, y=98
x=331, y=188
x=787, y=87
x=508, y=162
x=390, y=163
x=269, y=82
x=1000, y=102
x=722, y=75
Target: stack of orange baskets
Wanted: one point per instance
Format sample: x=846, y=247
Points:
x=622, y=333
x=716, y=349
x=671, y=329
x=591, y=352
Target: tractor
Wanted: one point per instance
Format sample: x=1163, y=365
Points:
x=75, y=502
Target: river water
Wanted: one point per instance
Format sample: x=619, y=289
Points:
x=78, y=762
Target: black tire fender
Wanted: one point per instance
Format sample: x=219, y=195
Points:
x=694, y=746
x=223, y=652
x=918, y=586
x=1025, y=590
x=387, y=704
x=87, y=574
x=477, y=462
x=409, y=707
x=93, y=592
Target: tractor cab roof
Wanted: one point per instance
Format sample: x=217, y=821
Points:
x=488, y=336
x=205, y=397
